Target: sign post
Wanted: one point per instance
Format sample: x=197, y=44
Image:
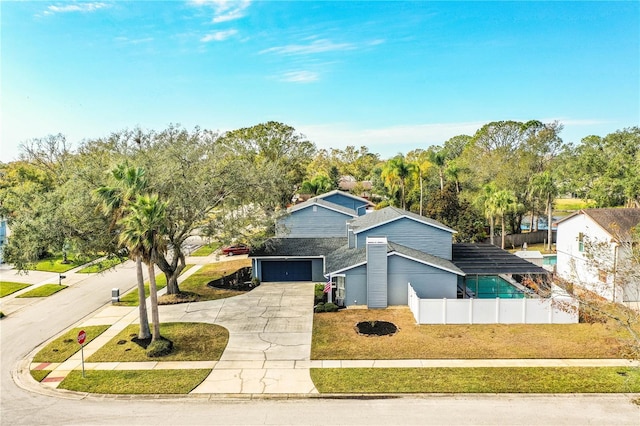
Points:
x=82, y=336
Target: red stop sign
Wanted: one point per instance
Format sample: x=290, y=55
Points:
x=82, y=336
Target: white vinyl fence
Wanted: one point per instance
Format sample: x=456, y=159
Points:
x=557, y=310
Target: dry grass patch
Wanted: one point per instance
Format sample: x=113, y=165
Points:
x=478, y=380
x=195, y=287
x=334, y=337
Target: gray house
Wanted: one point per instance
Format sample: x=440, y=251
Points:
x=324, y=216
x=371, y=258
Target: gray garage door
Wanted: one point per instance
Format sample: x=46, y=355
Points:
x=286, y=270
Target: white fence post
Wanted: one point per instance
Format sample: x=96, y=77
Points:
x=497, y=310
x=524, y=310
x=444, y=310
x=470, y=311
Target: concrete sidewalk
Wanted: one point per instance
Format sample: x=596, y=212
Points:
x=269, y=348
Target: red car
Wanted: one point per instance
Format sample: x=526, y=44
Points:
x=236, y=249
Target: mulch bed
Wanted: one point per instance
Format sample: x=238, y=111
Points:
x=376, y=328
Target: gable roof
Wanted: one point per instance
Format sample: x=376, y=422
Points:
x=315, y=201
x=390, y=214
x=346, y=258
x=298, y=247
x=616, y=222
x=487, y=259
x=346, y=194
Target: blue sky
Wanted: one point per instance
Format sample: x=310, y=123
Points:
x=392, y=76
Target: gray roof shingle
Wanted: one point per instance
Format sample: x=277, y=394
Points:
x=289, y=247
x=320, y=202
x=388, y=214
x=617, y=222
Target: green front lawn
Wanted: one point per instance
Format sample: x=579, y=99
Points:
x=131, y=298
x=135, y=381
x=60, y=349
x=195, y=287
x=206, y=250
x=54, y=264
x=191, y=342
x=7, y=287
x=39, y=375
x=477, y=380
x=102, y=265
x=43, y=290
x=572, y=204
x=334, y=337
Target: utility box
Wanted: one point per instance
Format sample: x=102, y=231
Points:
x=115, y=295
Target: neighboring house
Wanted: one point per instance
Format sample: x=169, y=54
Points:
x=3, y=237
x=323, y=216
x=592, y=252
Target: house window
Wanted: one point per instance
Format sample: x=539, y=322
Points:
x=602, y=275
x=580, y=242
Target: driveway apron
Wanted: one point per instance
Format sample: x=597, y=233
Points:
x=269, y=345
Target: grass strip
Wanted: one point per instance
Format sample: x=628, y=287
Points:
x=54, y=264
x=135, y=381
x=196, y=285
x=131, y=298
x=191, y=342
x=100, y=266
x=335, y=337
x=8, y=287
x=478, y=380
x=206, y=250
x=43, y=290
x=60, y=349
x=39, y=375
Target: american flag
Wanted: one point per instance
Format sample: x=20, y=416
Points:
x=327, y=287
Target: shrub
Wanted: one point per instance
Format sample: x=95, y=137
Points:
x=319, y=295
x=330, y=307
x=319, y=307
x=159, y=348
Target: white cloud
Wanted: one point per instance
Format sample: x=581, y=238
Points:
x=76, y=7
x=218, y=36
x=300, y=76
x=317, y=46
x=387, y=141
x=225, y=10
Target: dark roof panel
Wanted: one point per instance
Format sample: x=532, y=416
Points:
x=487, y=259
x=300, y=247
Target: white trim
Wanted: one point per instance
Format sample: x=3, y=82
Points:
x=424, y=262
x=407, y=217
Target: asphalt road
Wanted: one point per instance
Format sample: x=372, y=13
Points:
x=24, y=330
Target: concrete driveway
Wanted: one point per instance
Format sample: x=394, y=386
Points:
x=269, y=339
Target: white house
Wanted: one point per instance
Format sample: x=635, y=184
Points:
x=592, y=247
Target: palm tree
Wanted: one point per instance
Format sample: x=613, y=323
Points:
x=543, y=185
x=503, y=202
x=485, y=203
x=144, y=230
x=129, y=181
x=439, y=159
x=397, y=171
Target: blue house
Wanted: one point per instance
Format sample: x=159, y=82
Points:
x=324, y=216
x=370, y=258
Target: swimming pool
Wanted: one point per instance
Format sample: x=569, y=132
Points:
x=490, y=287
x=550, y=259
